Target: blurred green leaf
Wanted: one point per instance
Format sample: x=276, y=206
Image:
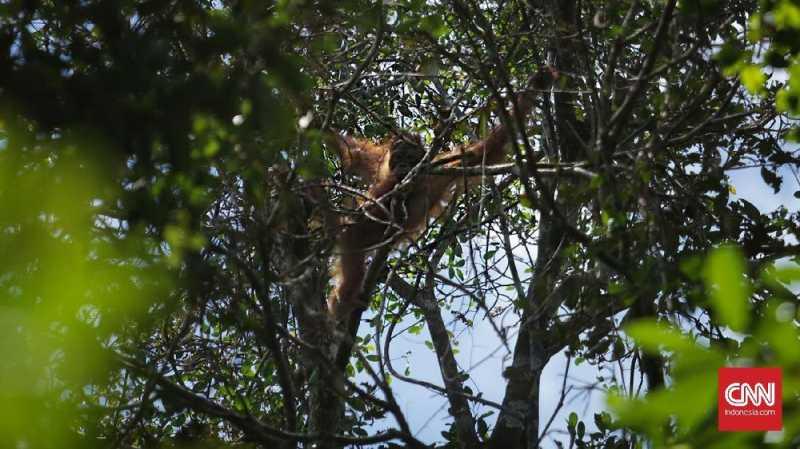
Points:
x=753, y=78
x=724, y=275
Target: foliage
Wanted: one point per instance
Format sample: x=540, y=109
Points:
x=685, y=413
x=165, y=221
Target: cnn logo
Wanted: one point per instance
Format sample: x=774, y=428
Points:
x=739, y=394
x=749, y=399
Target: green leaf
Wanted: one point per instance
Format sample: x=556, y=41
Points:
x=652, y=336
x=752, y=78
x=787, y=15
x=249, y=371
x=434, y=25
x=573, y=420
x=525, y=202
x=724, y=275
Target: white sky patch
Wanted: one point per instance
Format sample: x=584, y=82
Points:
x=305, y=120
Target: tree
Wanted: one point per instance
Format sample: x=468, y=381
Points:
x=172, y=154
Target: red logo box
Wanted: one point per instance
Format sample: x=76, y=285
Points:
x=749, y=399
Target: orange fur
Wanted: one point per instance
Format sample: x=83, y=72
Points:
x=426, y=201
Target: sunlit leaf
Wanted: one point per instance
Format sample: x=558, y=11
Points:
x=752, y=78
